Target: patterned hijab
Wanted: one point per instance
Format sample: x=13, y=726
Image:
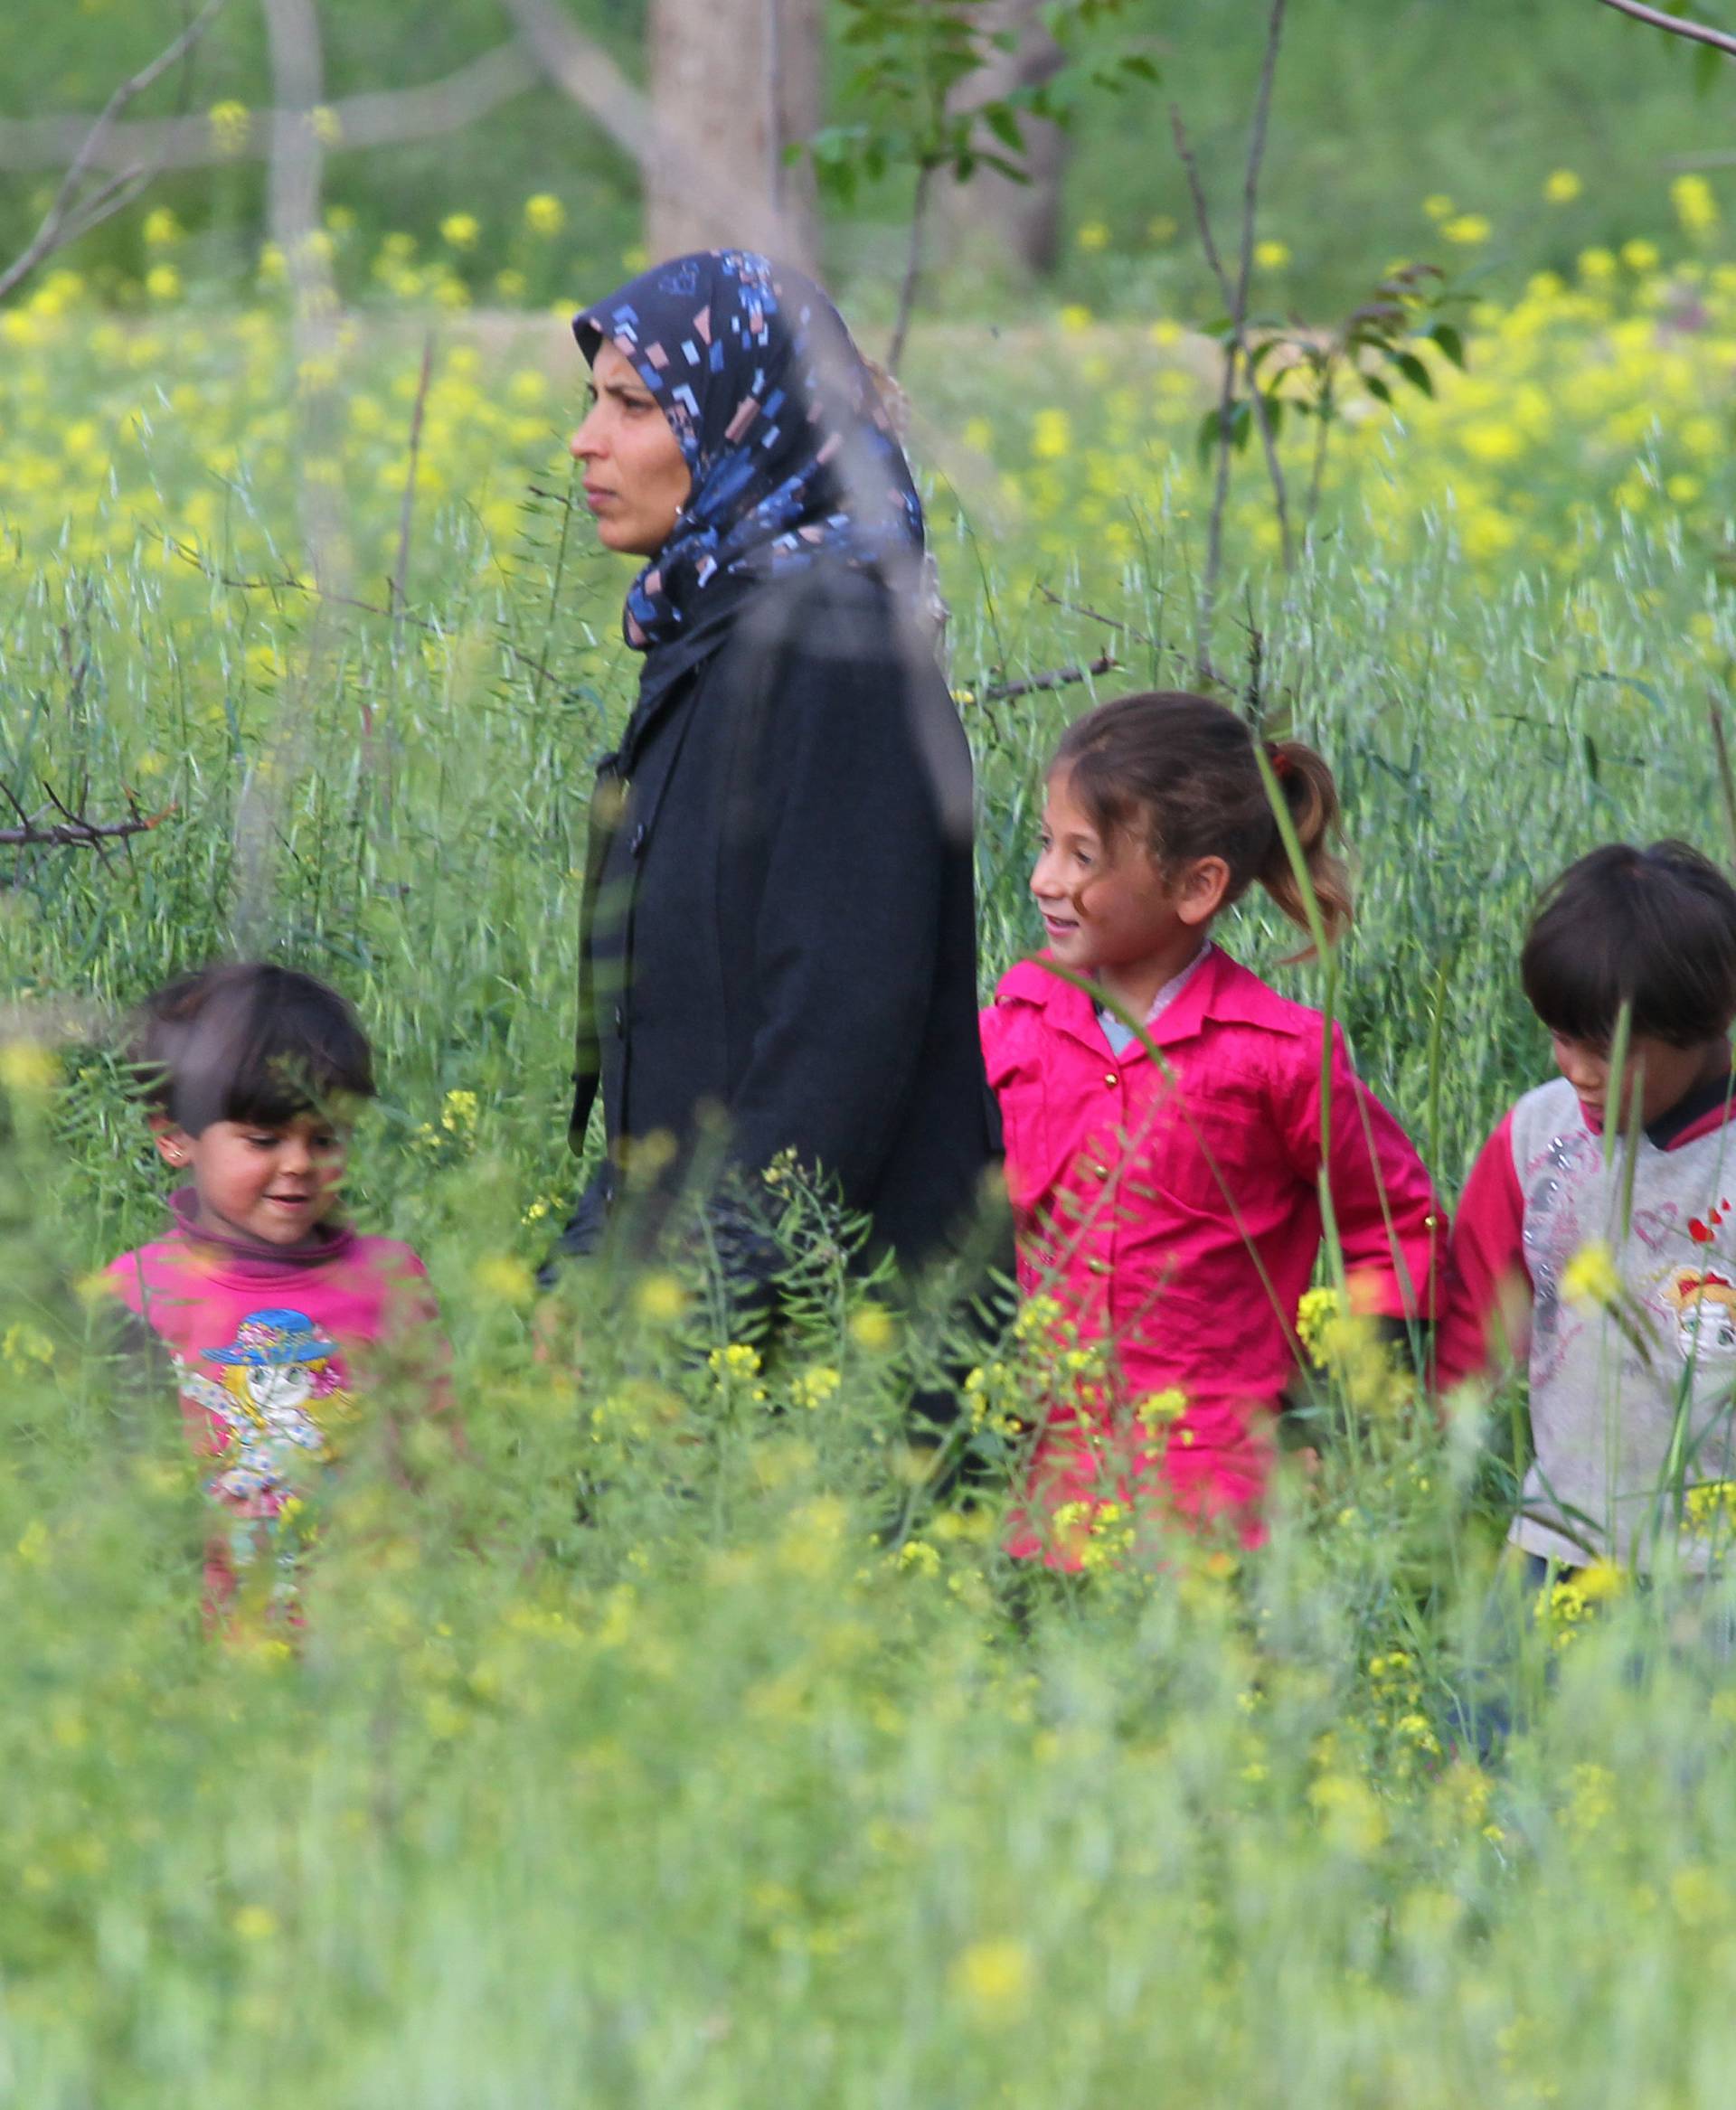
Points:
x=790, y=452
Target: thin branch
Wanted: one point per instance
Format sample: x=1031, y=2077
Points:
x=379, y=117
x=400, y=568
x=75, y=830
x=582, y=68
x=1097, y=615
x=1060, y=677
x=69, y=215
x=288, y=583
x=912, y=270
x=1237, y=348
x=1235, y=304
x=586, y=73
x=1695, y=32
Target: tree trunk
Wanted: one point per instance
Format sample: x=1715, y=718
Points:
x=991, y=214
x=737, y=81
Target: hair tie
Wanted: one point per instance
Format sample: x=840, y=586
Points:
x=1281, y=762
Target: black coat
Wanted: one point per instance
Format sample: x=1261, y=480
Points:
x=780, y=919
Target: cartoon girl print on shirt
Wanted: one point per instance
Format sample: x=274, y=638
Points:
x=1704, y=1303
x=282, y=1391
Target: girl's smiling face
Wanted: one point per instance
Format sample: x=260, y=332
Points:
x=636, y=477
x=1108, y=910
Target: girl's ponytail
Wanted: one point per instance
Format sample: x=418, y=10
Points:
x=1305, y=784
x=1179, y=776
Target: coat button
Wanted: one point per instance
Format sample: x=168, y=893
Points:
x=620, y=1018
x=1097, y=1266
x=638, y=844
x=1111, y=1080
x=1102, y=1172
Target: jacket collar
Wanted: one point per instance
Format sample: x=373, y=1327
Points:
x=1220, y=989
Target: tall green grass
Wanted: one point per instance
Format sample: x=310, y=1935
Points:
x=622, y=1761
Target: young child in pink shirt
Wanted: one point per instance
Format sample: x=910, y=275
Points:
x=273, y=1309
x=1170, y=1203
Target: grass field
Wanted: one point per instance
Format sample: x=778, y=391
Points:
x=712, y=1797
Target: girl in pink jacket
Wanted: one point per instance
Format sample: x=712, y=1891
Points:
x=1166, y=1181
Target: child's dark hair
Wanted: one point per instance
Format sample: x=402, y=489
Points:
x=1179, y=774
x=1655, y=930
x=247, y=1042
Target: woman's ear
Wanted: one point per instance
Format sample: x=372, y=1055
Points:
x=175, y=1146
x=1198, y=894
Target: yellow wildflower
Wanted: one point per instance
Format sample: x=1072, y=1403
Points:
x=26, y=1067
x=1272, y=256
x=993, y=1979
x=872, y=1328
x=1093, y=236
x=229, y=125
x=1561, y=186
x=1696, y=210
x=504, y=1276
x=1051, y=434
x=545, y=213
x=1467, y=228
x=661, y=1299
x=459, y=230
x=1590, y=1277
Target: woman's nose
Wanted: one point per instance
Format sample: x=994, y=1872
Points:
x=582, y=446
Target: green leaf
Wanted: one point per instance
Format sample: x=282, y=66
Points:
x=1377, y=388
x=1003, y=124
x=1414, y=371
x=1207, y=438
x=1451, y=344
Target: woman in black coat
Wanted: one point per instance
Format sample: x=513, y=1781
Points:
x=780, y=941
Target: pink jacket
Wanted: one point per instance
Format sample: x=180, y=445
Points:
x=1173, y=1210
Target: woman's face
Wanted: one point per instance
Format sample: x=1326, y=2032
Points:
x=635, y=481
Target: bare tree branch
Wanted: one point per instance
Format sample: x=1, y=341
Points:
x=586, y=73
x=1237, y=317
x=1060, y=677
x=1695, y=32
x=406, y=510
x=75, y=830
x=912, y=270
x=1237, y=346
x=70, y=215
x=379, y=117
x=582, y=70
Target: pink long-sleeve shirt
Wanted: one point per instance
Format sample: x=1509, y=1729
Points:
x=271, y=1349
x=1172, y=1207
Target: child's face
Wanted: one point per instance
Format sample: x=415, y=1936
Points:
x=269, y=1183
x=1107, y=906
x=1662, y=1074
